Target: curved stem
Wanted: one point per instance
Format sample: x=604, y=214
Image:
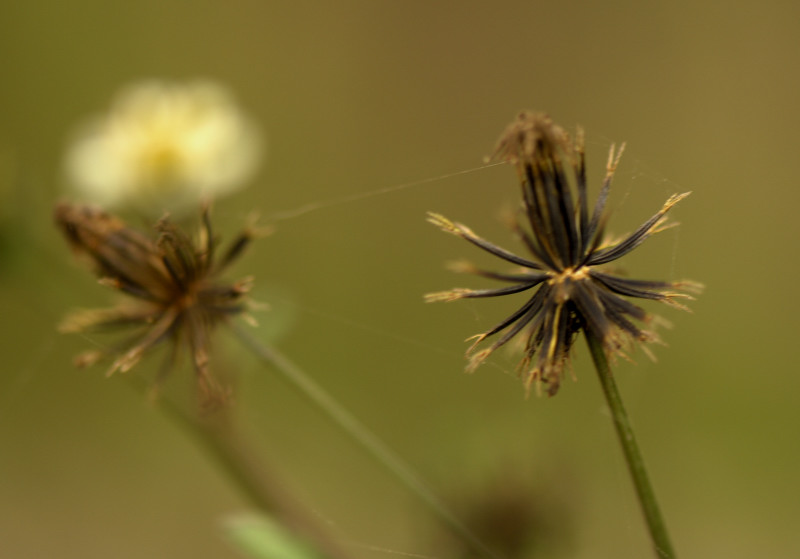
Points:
x=365, y=438
x=216, y=433
x=633, y=457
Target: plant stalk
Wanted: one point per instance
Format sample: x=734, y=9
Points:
x=633, y=457
x=365, y=438
x=216, y=434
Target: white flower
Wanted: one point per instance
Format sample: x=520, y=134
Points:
x=164, y=146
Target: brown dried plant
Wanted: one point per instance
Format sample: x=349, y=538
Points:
x=568, y=249
x=171, y=284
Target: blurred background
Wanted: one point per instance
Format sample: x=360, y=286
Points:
x=356, y=96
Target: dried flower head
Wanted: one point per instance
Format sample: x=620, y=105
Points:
x=171, y=284
x=568, y=250
x=516, y=516
x=164, y=147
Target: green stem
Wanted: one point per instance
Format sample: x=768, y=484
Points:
x=365, y=438
x=633, y=457
x=215, y=433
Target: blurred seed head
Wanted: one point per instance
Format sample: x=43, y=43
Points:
x=516, y=515
x=172, y=290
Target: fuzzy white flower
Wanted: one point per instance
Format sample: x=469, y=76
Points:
x=164, y=146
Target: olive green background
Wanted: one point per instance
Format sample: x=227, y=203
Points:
x=358, y=96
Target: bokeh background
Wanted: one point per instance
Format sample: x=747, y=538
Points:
x=356, y=96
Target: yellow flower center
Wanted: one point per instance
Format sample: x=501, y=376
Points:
x=562, y=281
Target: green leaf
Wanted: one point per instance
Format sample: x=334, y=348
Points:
x=260, y=537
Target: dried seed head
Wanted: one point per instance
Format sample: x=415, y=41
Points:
x=569, y=289
x=529, y=133
x=172, y=284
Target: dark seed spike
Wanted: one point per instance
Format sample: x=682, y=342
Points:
x=132, y=289
x=524, y=277
x=107, y=269
x=528, y=198
x=225, y=308
x=536, y=199
x=502, y=253
x=620, y=249
x=615, y=310
x=161, y=328
x=535, y=333
x=547, y=362
x=533, y=304
x=573, y=326
x=591, y=310
x=580, y=179
x=567, y=212
x=598, y=210
x=559, y=328
x=115, y=250
x=97, y=320
x=610, y=300
x=562, y=335
x=557, y=228
x=533, y=207
x=235, y=250
x=191, y=256
x=624, y=324
x=228, y=310
x=553, y=230
x=177, y=279
x=550, y=360
x=177, y=248
x=602, y=198
x=213, y=293
x=538, y=218
x=597, y=240
x=562, y=345
x=642, y=284
x=479, y=293
x=633, y=288
x=188, y=260
x=127, y=244
x=636, y=238
x=533, y=246
x=522, y=320
x=130, y=264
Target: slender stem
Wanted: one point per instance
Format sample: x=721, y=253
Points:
x=365, y=438
x=633, y=457
x=215, y=432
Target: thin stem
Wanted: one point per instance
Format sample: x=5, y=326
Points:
x=365, y=438
x=633, y=457
x=215, y=432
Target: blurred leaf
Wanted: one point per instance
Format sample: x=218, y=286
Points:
x=260, y=537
